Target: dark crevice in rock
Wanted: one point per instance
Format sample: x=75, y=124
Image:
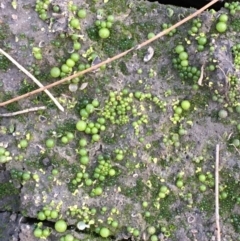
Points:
x=189, y=3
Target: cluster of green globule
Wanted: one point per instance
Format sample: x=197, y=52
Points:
x=223, y=194
x=104, y=168
x=114, y=223
x=197, y=159
x=68, y=237
x=97, y=191
x=236, y=53
x=24, y=175
x=37, y=53
x=104, y=26
x=74, y=63
x=221, y=25
x=84, y=159
x=172, y=140
x=85, y=214
x=149, y=97
x=233, y=7
x=181, y=64
x=67, y=137
x=76, y=15
x=133, y=231
x=47, y=213
x=23, y=143
x=182, y=56
x=179, y=182
x=196, y=24
x=118, y=107
x=188, y=197
x=66, y=68
x=82, y=177
x=235, y=141
x=164, y=191
x=168, y=25
x=89, y=109
x=41, y=232
x=166, y=231
x=179, y=110
x=207, y=180
x=5, y=155
x=41, y=8
x=232, y=95
x=119, y=154
x=90, y=127
x=201, y=41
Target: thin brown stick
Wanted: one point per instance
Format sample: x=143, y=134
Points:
x=33, y=78
x=109, y=60
x=217, y=194
x=23, y=111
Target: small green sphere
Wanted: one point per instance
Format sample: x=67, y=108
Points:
x=221, y=27
x=55, y=72
x=223, y=18
x=81, y=125
x=37, y=232
x=98, y=191
x=23, y=143
x=151, y=35
x=104, y=33
x=104, y=232
x=69, y=237
x=185, y=104
x=82, y=13
x=74, y=23
x=222, y=114
x=50, y=143
x=179, y=49
x=60, y=226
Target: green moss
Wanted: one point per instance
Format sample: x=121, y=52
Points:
x=116, y=6
x=235, y=25
x=27, y=87
x=12, y=107
x=118, y=41
x=4, y=63
x=123, y=68
x=8, y=189
x=69, y=125
x=232, y=189
x=206, y=204
x=93, y=33
x=4, y=31
x=201, y=99
x=236, y=222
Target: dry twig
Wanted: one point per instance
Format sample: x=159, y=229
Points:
x=23, y=111
x=109, y=60
x=33, y=78
x=217, y=194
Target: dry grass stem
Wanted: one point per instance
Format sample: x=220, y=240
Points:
x=109, y=60
x=33, y=78
x=218, y=231
x=23, y=111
